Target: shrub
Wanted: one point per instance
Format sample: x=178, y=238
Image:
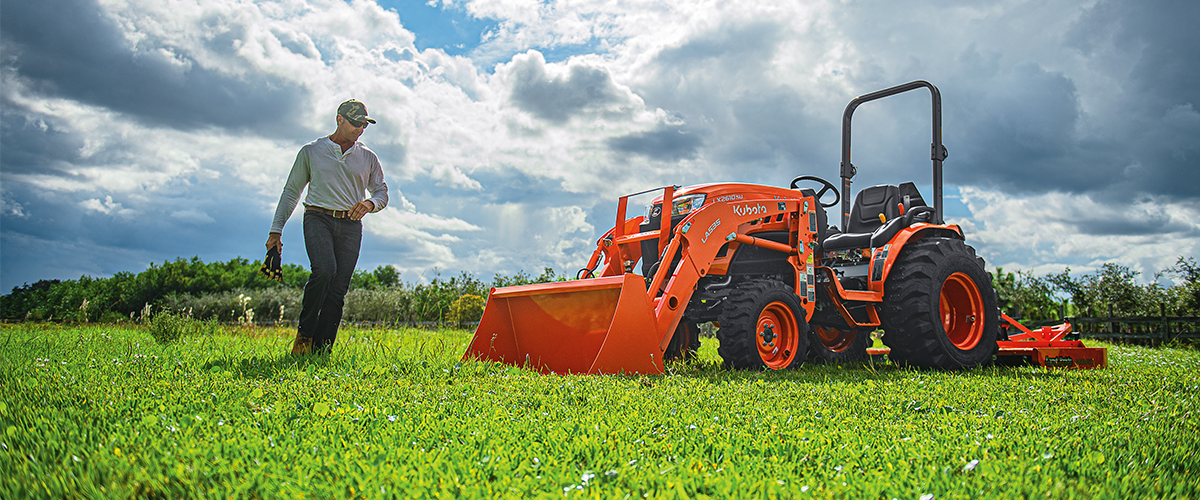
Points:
x=276, y=304
x=217, y=290
x=385, y=305
x=468, y=308
x=239, y=305
x=167, y=327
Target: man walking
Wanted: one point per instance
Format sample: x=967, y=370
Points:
x=338, y=171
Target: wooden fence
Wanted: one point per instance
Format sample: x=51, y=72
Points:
x=1150, y=330
x=1135, y=329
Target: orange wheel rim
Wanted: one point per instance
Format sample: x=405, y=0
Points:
x=834, y=339
x=961, y=306
x=777, y=335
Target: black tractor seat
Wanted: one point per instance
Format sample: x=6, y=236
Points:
x=865, y=230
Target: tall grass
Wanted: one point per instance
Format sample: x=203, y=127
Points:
x=105, y=411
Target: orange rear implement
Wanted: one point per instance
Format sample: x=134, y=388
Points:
x=1046, y=346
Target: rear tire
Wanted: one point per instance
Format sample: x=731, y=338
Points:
x=762, y=326
x=939, y=307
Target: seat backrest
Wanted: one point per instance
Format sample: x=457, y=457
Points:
x=910, y=197
x=870, y=202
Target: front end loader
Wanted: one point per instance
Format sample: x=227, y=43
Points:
x=762, y=262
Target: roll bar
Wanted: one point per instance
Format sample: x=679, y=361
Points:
x=937, y=152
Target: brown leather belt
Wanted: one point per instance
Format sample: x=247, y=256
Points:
x=341, y=214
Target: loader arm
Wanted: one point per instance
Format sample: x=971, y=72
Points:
x=702, y=234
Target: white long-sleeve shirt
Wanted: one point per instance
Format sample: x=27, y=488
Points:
x=335, y=180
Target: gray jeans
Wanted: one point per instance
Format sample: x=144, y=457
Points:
x=332, y=245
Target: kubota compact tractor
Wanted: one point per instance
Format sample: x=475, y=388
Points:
x=781, y=284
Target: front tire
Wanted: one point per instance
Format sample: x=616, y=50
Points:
x=684, y=344
x=762, y=326
x=939, y=307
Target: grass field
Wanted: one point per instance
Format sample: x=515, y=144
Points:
x=104, y=411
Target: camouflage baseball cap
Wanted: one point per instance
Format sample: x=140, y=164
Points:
x=354, y=111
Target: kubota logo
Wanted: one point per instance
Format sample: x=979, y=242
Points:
x=744, y=210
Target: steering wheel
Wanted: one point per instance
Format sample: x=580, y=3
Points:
x=826, y=186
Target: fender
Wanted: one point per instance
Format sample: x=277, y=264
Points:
x=882, y=258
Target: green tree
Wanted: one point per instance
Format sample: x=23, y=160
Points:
x=522, y=278
x=294, y=276
x=1025, y=295
x=1183, y=299
x=1114, y=285
x=387, y=276
x=1113, y=288
x=363, y=280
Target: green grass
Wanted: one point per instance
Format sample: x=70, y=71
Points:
x=105, y=411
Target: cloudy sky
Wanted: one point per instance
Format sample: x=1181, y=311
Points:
x=138, y=131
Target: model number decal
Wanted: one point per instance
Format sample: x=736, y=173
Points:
x=730, y=197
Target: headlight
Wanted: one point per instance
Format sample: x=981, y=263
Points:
x=685, y=204
x=682, y=205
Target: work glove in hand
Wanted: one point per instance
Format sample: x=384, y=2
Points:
x=272, y=266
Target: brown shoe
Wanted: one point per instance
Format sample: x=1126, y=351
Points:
x=302, y=345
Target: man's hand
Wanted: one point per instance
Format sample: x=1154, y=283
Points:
x=275, y=241
x=361, y=208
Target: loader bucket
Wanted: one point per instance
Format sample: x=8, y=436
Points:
x=600, y=325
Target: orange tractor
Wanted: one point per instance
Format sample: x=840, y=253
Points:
x=781, y=284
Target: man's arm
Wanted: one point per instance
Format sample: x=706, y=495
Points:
x=297, y=179
x=275, y=240
x=378, y=189
x=360, y=209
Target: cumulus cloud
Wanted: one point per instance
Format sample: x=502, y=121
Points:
x=1051, y=231
x=81, y=50
x=428, y=237
x=557, y=98
x=106, y=206
x=192, y=216
x=12, y=208
x=666, y=143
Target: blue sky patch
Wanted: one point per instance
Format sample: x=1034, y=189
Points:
x=451, y=29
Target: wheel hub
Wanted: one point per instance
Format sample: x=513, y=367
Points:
x=768, y=335
x=778, y=335
x=960, y=305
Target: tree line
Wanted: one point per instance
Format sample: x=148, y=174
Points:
x=233, y=291
x=1112, y=290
